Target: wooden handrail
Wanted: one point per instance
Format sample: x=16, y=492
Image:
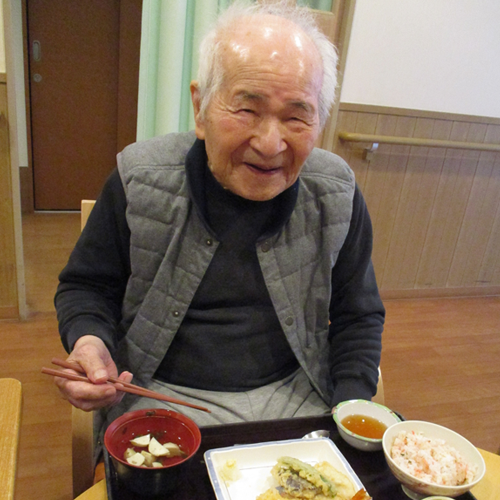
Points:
x=416, y=141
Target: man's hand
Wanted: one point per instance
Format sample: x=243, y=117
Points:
x=93, y=356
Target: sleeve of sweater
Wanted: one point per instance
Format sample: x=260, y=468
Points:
x=92, y=285
x=356, y=312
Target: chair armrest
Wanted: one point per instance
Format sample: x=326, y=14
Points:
x=10, y=424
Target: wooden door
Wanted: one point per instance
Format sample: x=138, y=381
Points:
x=75, y=70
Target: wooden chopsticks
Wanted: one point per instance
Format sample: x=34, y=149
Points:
x=123, y=386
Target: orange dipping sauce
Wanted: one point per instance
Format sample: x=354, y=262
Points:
x=365, y=426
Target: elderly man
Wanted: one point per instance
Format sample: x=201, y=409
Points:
x=231, y=267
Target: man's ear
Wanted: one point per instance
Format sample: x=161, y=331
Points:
x=196, y=100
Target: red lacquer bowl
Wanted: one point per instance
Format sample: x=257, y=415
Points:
x=166, y=426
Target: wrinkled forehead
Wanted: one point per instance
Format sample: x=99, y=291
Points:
x=268, y=38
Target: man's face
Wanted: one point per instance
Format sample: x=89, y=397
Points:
x=262, y=124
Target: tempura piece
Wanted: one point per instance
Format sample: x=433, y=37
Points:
x=345, y=488
x=301, y=481
x=361, y=495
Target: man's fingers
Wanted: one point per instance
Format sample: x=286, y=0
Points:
x=93, y=356
x=126, y=377
x=95, y=369
x=73, y=390
x=90, y=405
x=99, y=376
x=90, y=397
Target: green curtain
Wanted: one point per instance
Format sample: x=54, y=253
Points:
x=171, y=31
x=317, y=4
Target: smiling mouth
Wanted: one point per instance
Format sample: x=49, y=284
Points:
x=261, y=169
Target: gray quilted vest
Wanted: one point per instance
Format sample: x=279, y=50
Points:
x=171, y=249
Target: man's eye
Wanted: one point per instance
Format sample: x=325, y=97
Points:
x=246, y=110
x=296, y=119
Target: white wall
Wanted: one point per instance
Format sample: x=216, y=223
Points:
x=435, y=55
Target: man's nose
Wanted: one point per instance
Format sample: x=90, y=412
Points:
x=268, y=138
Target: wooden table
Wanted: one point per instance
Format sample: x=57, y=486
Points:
x=10, y=423
x=370, y=467
x=489, y=487
x=97, y=492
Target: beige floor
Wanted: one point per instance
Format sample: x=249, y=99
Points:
x=440, y=363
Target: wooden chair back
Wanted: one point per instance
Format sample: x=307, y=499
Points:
x=82, y=423
x=86, y=207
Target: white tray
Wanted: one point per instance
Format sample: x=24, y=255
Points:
x=255, y=462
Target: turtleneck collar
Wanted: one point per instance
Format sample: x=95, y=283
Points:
x=217, y=206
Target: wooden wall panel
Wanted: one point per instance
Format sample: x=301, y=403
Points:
x=435, y=211
x=9, y=307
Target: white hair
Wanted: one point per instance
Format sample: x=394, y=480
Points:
x=210, y=69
